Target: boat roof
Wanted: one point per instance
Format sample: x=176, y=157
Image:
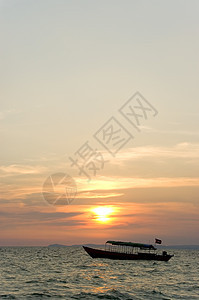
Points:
x=130, y=244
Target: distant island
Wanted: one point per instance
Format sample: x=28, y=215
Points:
x=180, y=247
x=89, y=245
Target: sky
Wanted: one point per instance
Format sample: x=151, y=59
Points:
x=99, y=118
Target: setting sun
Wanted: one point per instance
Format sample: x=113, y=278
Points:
x=102, y=213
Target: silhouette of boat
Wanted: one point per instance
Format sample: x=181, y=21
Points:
x=127, y=251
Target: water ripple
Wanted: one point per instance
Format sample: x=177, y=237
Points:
x=69, y=273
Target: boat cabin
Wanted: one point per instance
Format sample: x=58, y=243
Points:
x=128, y=247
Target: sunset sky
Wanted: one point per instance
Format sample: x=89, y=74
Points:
x=67, y=70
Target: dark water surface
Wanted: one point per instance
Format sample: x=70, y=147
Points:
x=69, y=273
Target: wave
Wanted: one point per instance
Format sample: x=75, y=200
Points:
x=112, y=294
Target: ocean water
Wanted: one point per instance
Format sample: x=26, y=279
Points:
x=69, y=273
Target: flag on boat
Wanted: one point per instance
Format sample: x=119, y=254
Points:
x=157, y=241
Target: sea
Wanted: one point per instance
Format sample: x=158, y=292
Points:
x=69, y=273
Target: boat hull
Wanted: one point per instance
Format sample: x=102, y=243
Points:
x=98, y=253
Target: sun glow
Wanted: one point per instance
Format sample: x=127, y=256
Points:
x=102, y=214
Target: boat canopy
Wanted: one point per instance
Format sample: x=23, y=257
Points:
x=129, y=244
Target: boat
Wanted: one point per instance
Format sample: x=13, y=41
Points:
x=128, y=251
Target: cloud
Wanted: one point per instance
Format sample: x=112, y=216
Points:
x=172, y=132
x=97, y=194
x=181, y=150
x=5, y=113
x=37, y=215
x=23, y=183
x=112, y=188
x=104, y=183
x=21, y=169
x=23, y=218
